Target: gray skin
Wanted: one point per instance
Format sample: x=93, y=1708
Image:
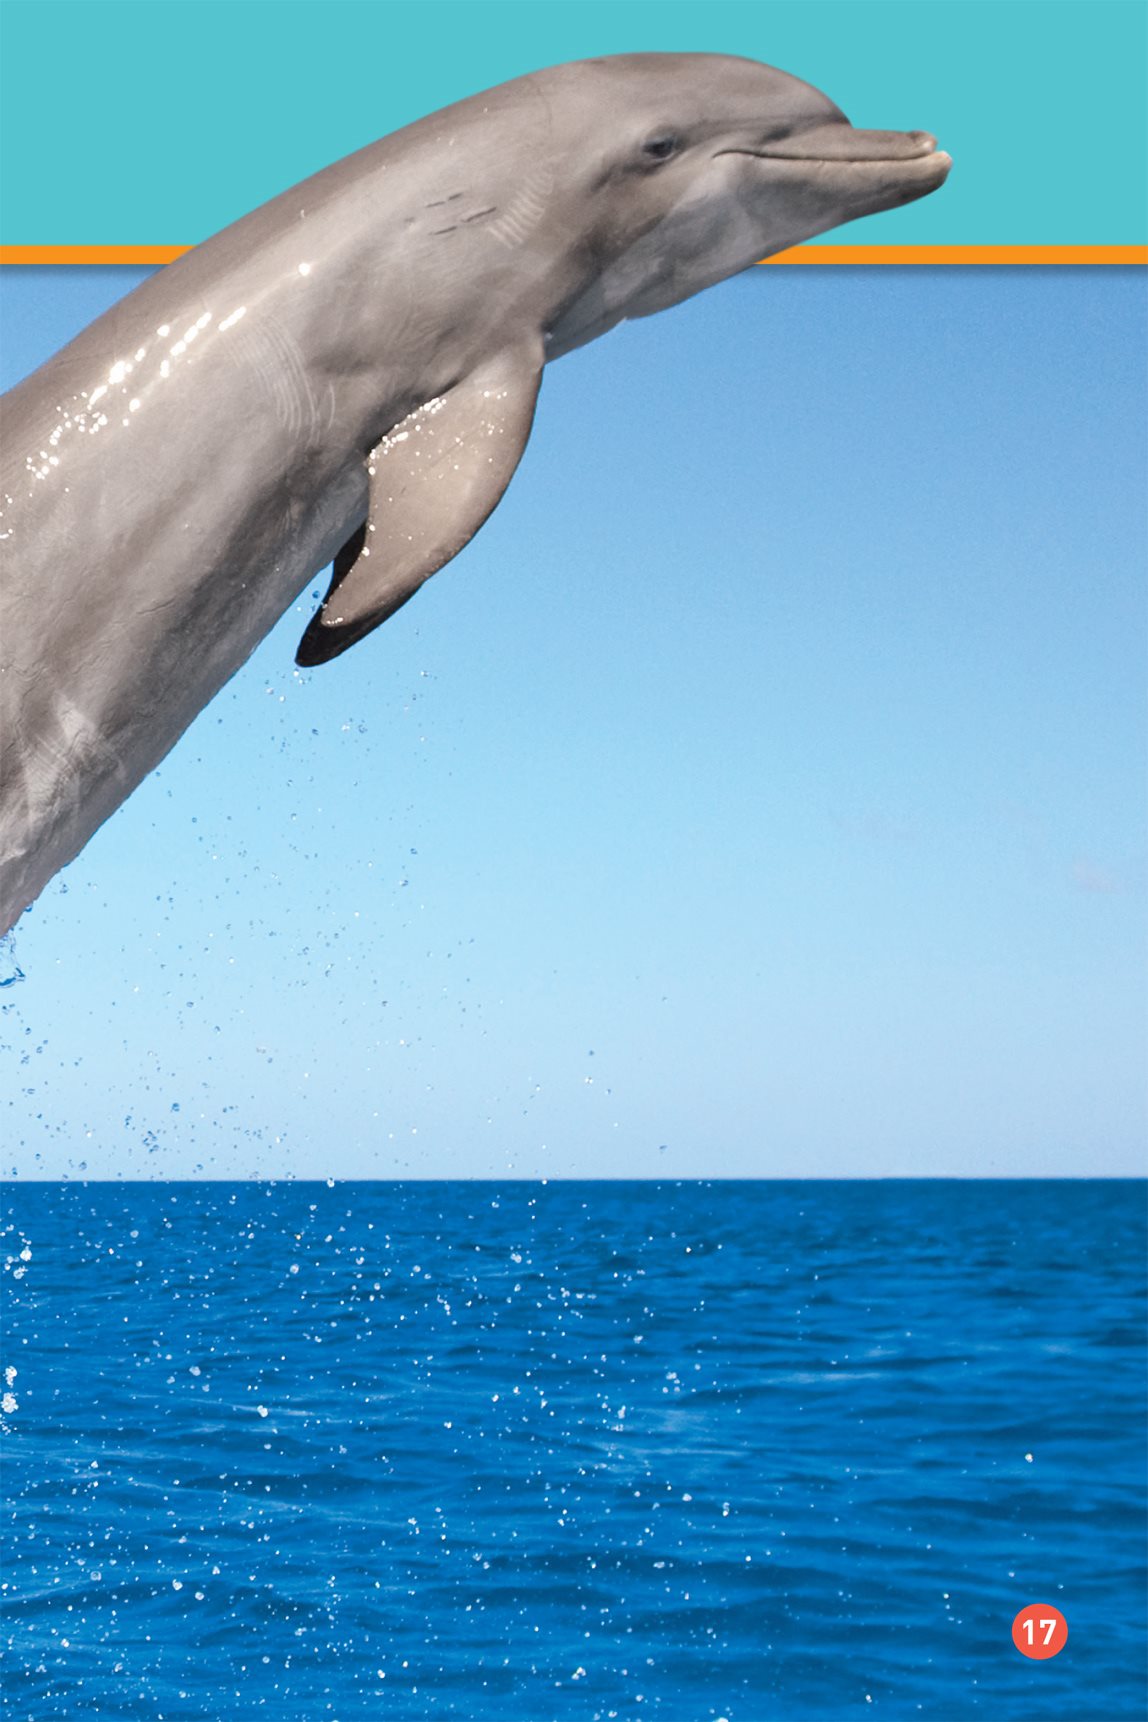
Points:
x=350, y=373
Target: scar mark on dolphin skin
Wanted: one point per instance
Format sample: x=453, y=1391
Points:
x=273, y=352
x=45, y=784
x=454, y=218
x=525, y=209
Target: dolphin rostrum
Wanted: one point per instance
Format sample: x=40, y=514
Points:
x=350, y=373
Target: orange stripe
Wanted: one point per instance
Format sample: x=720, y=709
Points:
x=817, y=254
x=963, y=254
x=132, y=254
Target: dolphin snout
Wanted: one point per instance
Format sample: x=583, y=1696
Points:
x=853, y=172
x=839, y=141
x=847, y=143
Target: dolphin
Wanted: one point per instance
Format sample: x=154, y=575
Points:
x=349, y=375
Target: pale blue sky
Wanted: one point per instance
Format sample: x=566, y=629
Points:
x=761, y=793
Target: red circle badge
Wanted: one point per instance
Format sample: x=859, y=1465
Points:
x=1040, y=1631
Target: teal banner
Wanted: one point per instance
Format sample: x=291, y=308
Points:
x=156, y=122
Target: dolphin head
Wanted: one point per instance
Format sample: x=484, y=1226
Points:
x=691, y=167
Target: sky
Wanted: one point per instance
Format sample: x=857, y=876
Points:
x=760, y=794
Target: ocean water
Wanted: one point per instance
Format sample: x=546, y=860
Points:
x=573, y=1450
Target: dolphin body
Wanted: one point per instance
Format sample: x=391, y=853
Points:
x=350, y=373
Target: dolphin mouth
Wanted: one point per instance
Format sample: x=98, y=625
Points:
x=842, y=143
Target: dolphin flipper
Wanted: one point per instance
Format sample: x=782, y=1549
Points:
x=434, y=480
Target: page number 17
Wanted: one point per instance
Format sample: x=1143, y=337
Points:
x=1040, y=1631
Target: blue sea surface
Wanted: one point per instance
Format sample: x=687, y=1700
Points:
x=573, y=1450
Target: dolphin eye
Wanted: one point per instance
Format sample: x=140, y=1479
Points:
x=660, y=147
